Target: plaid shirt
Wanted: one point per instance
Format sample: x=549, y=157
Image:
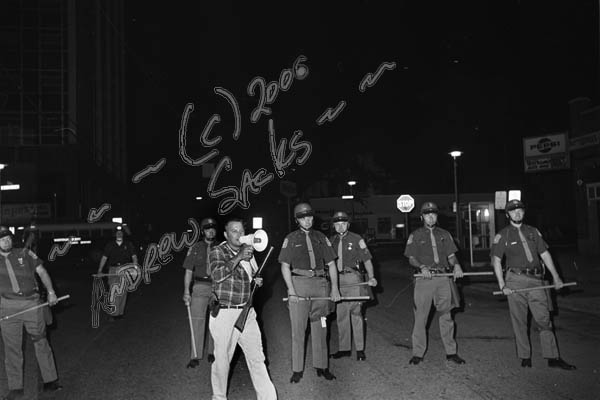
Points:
x=230, y=282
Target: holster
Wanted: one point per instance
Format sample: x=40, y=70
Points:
x=213, y=305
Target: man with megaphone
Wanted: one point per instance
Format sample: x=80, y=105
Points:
x=304, y=255
x=233, y=268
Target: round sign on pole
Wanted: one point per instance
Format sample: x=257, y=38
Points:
x=405, y=203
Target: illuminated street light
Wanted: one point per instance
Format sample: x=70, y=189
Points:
x=198, y=197
x=351, y=197
x=455, y=154
x=348, y=197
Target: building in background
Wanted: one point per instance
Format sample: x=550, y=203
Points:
x=62, y=109
x=584, y=147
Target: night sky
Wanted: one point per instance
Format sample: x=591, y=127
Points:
x=469, y=75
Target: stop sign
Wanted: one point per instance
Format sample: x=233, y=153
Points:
x=405, y=203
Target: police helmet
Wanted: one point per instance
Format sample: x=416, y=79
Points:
x=208, y=223
x=340, y=216
x=514, y=204
x=303, y=210
x=4, y=231
x=429, y=207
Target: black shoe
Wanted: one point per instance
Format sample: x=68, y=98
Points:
x=51, y=386
x=296, y=376
x=560, y=363
x=14, y=394
x=340, y=354
x=360, y=355
x=415, y=360
x=194, y=362
x=325, y=373
x=526, y=362
x=211, y=358
x=455, y=358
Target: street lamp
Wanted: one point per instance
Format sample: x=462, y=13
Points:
x=455, y=154
x=2, y=166
x=351, y=184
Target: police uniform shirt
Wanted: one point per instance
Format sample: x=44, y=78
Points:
x=119, y=255
x=23, y=262
x=508, y=242
x=354, y=249
x=294, y=250
x=197, y=259
x=420, y=247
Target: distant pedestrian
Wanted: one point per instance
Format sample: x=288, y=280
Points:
x=522, y=245
x=116, y=254
x=19, y=290
x=431, y=250
x=352, y=251
x=197, y=268
x=306, y=255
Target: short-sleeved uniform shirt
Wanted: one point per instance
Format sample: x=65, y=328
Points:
x=23, y=262
x=294, y=250
x=118, y=255
x=354, y=249
x=419, y=246
x=508, y=243
x=197, y=259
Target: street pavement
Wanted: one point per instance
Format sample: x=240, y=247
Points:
x=144, y=355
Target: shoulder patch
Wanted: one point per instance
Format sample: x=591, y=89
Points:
x=362, y=244
x=189, y=251
x=410, y=239
x=285, y=243
x=497, y=238
x=328, y=242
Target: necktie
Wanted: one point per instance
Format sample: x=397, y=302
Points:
x=340, y=260
x=11, y=274
x=525, y=246
x=311, y=253
x=436, y=256
x=207, y=260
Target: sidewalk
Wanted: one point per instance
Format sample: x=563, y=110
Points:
x=572, y=267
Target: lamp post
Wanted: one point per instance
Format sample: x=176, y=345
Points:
x=2, y=166
x=351, y=184
x=455, y=154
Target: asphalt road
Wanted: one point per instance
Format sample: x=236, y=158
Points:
x=144, y=356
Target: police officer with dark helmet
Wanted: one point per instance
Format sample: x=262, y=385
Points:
x=521, y=244
x=197, y=269
x=304, y=255
x=352, y=251
x=431, y=250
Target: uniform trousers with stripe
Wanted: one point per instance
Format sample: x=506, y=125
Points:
x=349, y=315
x=437, y=290
x=537, y=301
x=226, y=338
x=304, y=310
x=198, y=309
x=12, y=335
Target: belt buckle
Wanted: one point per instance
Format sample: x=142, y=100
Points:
x=313, y=273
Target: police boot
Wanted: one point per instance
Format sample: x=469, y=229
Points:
x=325, y=373
x=560, y=363
x=296, y=376
x=194, y=362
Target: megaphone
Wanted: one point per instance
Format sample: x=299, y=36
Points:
x=258, y=240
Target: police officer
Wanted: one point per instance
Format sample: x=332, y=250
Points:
x=19, y=290
x=303, y=257
x=117, y=253
x=197, y=268
x=521, y=244
x=431, y=250
x=351, y=251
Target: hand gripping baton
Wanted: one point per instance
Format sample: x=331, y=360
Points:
x=33, y=308
x=534, y=288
